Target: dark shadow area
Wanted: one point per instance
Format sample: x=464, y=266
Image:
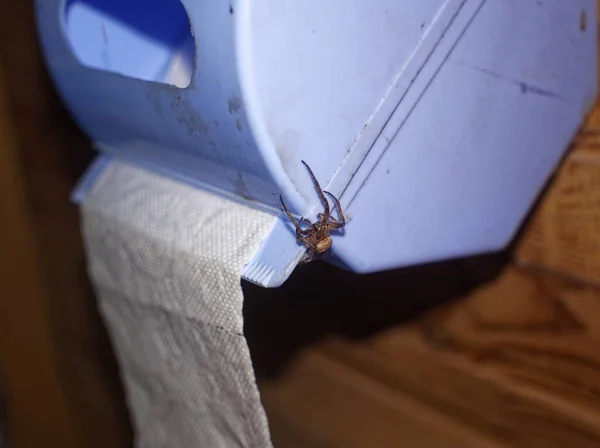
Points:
x=320, y=300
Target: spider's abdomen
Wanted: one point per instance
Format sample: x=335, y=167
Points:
x=323, y=245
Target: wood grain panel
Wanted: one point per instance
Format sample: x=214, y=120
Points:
x=53, y=152
x=29, y=370
x=333, y=405
x=519, y=359
x=535, y=327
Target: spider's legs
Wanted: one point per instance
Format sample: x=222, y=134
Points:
x=287, y=212
x=332, y=218
x=331, y=222
x=335, y=222
x=339, y=209
x=307, y=222
x=310, y=253
x=307, y=257
x=321, y=195
x=297, y=224
x=300, y=233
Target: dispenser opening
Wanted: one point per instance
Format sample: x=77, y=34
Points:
x=143, y=39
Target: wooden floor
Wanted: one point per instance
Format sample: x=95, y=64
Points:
x=495, y=351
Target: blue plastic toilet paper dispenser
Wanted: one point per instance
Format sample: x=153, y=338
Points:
x=436, y=123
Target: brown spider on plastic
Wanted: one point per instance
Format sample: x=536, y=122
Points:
x=316, y=235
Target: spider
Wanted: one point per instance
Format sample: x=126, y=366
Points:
x=316, y=236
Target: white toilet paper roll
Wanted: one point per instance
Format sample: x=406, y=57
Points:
x=165, y=260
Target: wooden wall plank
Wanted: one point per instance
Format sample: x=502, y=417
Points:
x=518, y=359
x=53, y=153
x=333, y=405
x=29, y=371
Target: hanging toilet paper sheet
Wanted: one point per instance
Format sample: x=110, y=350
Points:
x=165, y=260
